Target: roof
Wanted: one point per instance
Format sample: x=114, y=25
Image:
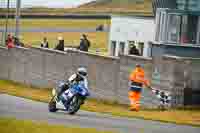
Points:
x=133, y=16
x=178, y=11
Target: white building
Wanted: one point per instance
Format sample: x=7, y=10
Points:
x=127, y=30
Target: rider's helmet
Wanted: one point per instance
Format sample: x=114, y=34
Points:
x=82, y=71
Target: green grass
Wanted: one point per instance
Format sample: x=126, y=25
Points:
x=57, y=23
x=178, y=116
x=99, y=40
x=129, y=7
x=10, y=125
x=126, y=7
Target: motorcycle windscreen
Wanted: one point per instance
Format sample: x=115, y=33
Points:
x=80, y=89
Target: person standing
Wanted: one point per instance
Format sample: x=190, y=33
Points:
x=10, y=41
x=60, y=45
x=45, y=43
x=136, y=81
x=87, y=42
x=134, y=51
x=84, y=43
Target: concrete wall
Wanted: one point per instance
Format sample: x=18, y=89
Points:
x=4, y=63
x=191, y=80
x=43, y=68
x=103, y=73
x=194, y=81
x=108, y=76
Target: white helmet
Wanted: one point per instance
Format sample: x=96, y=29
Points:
x=82, y=71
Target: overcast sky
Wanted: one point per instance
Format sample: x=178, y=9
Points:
x=47, y=3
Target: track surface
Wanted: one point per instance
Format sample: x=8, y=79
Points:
x=20, y=108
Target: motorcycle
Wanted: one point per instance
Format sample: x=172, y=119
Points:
x=74, y=94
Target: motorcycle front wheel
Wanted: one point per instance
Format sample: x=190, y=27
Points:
x=52, y=105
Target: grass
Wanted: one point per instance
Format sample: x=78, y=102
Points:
x=178, y=116
x=119, y=6
x=9, y=125
x=57, y=23
x=143, y=9
x=95, y=7
x=99, y=40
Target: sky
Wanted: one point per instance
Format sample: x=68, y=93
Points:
x=46, y=3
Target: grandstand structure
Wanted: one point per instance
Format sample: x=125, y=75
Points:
x=171, y=4
x=192, y=5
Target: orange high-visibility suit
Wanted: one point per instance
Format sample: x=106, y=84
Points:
x=137, y=80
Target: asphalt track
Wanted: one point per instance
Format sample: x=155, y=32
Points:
x=20, y=108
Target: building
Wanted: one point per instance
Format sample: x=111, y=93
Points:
x=128, y=30
x=177, y=22
x=178, y=26
x=177, y=33
x=193, y=5
x=171, y=4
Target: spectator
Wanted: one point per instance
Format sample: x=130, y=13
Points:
x=10, y=41
x=45, y=43
x=84, y=43
x=87, y=41
x=100, y=28
x=60, y=45
x=134, y=51
x=17, y=42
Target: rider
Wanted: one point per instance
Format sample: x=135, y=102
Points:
x=78, y=77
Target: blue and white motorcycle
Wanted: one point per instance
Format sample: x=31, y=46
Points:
x=72, y=98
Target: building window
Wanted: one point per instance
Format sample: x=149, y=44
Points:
x=113, y=48
x=158, y=18
x=182, y=29
x=141, y=47
x=177, y=27
x=131, y=44
x=133, y=50
x=174, y=28
x=121, y=48
x=189, y=29
x=198, y=31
